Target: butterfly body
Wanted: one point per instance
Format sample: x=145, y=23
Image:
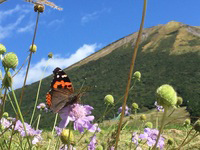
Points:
x=61, y=93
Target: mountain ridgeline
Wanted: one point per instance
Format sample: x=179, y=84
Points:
x=168, y=54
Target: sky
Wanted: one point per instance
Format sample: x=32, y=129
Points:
x=81, y=28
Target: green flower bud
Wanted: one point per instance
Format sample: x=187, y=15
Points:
x=99, y=147
x=197, y=126
x=67, y=136
x=7, y=80
x=148, y=125
x=143, y=117
x=10, y=60
x=2, y=49
x=5, y=115
x=50, y=55
x=137, y=75
x=135, y=106
x=187, y=122
x=170, y=141
x=109, y=99
x=166, y=96
x=179, y=101
x=87, y=141
x=33, y=48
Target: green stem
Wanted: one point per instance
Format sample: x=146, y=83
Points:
x=131, y=72
x=157, y=120
x=20, y=115
x=12, y=103
x=161, y=127
x=38, y=122
x=185, y=139
x=29, y=61
x=53, y=129
x=38, y=92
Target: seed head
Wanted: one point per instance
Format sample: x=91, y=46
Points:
x=50, y=55
x=99, y=147
x=137, y=75
x=143, y=117
x=197, y=126
x=67, y=136
x=170, y=141
x=33, y=48
x=109, y=100
x=10, y=60
x=5, y=115
x=166, y=96
x=187, y=122
x=39, y=8
x=148, y=125
x=2, y=49
x=179, y=101
x=135, y=106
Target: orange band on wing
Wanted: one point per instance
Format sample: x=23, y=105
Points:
x=48, y=99
x=63, y=84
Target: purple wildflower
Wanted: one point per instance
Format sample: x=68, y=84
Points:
x=151, y=135
x=5, y=123
x=93, y=143
x=158, y=107
x=126, y=110
x=42, y=106
x=36, y=134
x=79, y=114
x=112, y=148
x=58, y=130
x=36, y=139
x=135, y=138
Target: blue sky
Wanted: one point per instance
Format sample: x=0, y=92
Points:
x=83, y=27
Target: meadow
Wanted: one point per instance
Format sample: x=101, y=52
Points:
x=75, y=127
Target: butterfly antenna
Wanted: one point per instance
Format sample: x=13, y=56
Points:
x=82, y=86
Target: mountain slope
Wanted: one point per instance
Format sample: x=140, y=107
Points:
x=168, y=54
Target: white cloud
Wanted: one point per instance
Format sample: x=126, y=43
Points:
x=28, y=28
x=36, y=70
x=19, y=13
x=56, y=22
x=8, y=29
x=94, y=15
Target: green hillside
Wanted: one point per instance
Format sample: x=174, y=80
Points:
x=168, y=54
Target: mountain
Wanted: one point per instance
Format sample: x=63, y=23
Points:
x=168, y=54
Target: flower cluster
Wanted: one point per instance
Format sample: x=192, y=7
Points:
x=4, y=123
x=126, y=111
x=151, y=135
x=93, y=143
x=36, y=134
x=79, y=115
x=42, y=106
x=158, y=107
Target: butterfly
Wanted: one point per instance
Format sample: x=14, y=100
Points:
x=61, y=93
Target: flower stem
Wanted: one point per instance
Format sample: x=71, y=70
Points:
x=131, y=72
x=29, y=61
x=38, y=122
x=161, y=127
x=38, y=92
x=53, y=129
x=21, y=116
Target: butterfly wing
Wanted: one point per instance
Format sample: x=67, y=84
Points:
x=61, y=91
